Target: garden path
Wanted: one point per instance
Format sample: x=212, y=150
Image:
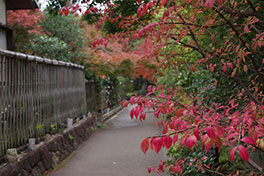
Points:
x=114, y=150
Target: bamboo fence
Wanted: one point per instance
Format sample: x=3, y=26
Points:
x=36, y=93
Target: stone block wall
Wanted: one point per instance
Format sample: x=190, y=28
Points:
x=47, y=156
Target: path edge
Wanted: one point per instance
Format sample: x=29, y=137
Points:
x=50, y=154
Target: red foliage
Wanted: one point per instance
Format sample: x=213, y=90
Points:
x=145, y=145
x=207, y=126
x=233, y=50
x=26, y=18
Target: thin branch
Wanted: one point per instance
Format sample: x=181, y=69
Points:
x=247, y=90
x=242, y=85
x=179, y=131
x=243, y=43
x=236, y=77
x=193, y=36
x=243, y=14
x=215, y=172
x=197, y=25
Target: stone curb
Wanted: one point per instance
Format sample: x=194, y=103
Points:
x=111, y=113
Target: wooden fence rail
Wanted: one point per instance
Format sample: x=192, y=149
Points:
x=36, y=93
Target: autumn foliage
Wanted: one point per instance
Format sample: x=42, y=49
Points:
x=200, y=125
x=221, y=39
x=228, y=40
x=27, y=18
x=209, y=46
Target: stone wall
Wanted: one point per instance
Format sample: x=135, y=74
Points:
x=48, y=155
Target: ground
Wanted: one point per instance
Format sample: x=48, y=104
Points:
x=114, y=150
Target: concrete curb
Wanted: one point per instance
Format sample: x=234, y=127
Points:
x=110, y=114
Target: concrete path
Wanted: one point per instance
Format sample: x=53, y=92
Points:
x=115, y=150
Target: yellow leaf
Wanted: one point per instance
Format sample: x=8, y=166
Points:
x=245, y=68
x=233, y=73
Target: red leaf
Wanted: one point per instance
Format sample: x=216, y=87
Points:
x=132, y=100
x=205, y=139
x=211, y=68
x=232, y=153
x=153, y=89
x=188, y=1
x=142, y=116
x=163, y=2
x=209, y=3
x=191, y=141
x=249, y=140
x=136, y=112
x=166, y=13
x=157, y=144
x=220, y=131
x=149, y=5
x=61, y=11
x=191, y=112
x=66, y=11
x=167, y=141
x=207, y=147
x=175, y=138
x=175, y=91
x=144, y=9
x=232, y=135
x=196, y=133
x=165, y=127
x=179, y=112
x=139, y=11
x=230, y=65
x=132, y=113
x=243, y=153
x=210, y=132
x=149, y=170
x=182, y=141
x=106, y=44
x=224, y=68
x=145, y=145
x=246, y=29
x=140, y=33
x=151, y=143
x=87, y=12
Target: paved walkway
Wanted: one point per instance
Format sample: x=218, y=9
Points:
x=115, y=150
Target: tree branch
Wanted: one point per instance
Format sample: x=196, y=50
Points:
x=179, y=131
x=215, y=172
x=243, y=43
x=243, y=14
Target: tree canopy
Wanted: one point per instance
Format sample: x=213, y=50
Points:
x=209, y=79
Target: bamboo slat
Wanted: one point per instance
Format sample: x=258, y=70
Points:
x=36, y=93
